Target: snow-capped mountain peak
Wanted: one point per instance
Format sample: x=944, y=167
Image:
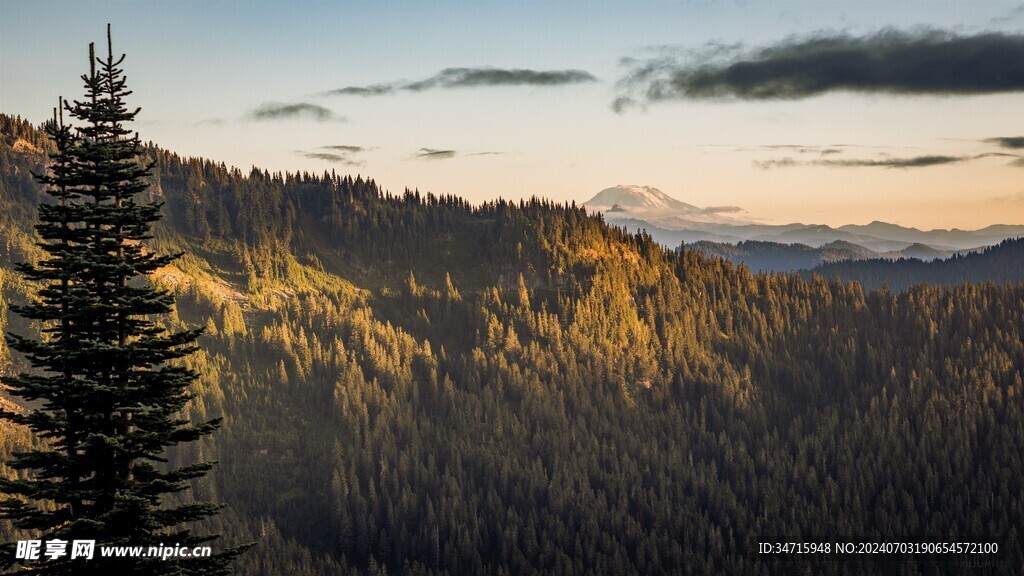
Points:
x=637, y=198
x=627, y=201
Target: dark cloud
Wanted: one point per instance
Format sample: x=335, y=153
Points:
x=373, y=90
x=336, y=154
x=329, y=157
x=623, y=104
x=471, y=78
x=777, y=163
x=928, y=62
x=911, y=162
x=884, y=162
x=1012, y=142
x=299, y=110
x=346, y=149
x=433, y=154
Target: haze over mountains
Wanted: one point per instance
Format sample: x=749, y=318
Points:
x=1000, y=264
x=671, y=222
x=760, y=255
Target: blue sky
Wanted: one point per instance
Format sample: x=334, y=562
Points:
x=200, y=69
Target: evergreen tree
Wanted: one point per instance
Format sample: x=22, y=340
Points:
x=107, y=401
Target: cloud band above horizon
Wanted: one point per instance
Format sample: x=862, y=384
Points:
x=924, y=161
x=433, y=154
x=920, y=63
x=300, y=110
x=472, y=78
x=336, y=154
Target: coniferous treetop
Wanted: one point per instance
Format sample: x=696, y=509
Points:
x=110, y=395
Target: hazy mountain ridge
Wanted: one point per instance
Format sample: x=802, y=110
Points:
x=671, y=226
x=1002, y=263
x=760, y=255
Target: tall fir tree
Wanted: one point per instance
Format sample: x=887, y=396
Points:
x=106, y=398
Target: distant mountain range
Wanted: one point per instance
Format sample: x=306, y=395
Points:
x=1000, y=264
x=721, y=232
x=759, y=255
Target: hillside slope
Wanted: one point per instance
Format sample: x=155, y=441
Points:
x=414, y=385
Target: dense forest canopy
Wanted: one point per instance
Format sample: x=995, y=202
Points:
x=411, y=384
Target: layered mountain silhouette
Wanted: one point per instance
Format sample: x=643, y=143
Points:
x=724, y=232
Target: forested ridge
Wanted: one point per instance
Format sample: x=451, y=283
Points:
x=412, y=384
x=1001, y=264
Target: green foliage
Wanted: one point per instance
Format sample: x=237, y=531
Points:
x=104, y=398
x=415, y=385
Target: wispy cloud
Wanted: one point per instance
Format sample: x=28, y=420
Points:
x=911, y=162
x=336, y=154
x=437, y=154
x=374, y=90
x=802, y=149
x=792, y=147
x=298, y=110
x=821, y=150
x=777, y=163
x=433, y=154
x=1012, y=16
x=1011, y=142
x=912, y=63
x=472, y=78
x=327, y=156
x=923, y=161
x=720, y=210
x=345, y=149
